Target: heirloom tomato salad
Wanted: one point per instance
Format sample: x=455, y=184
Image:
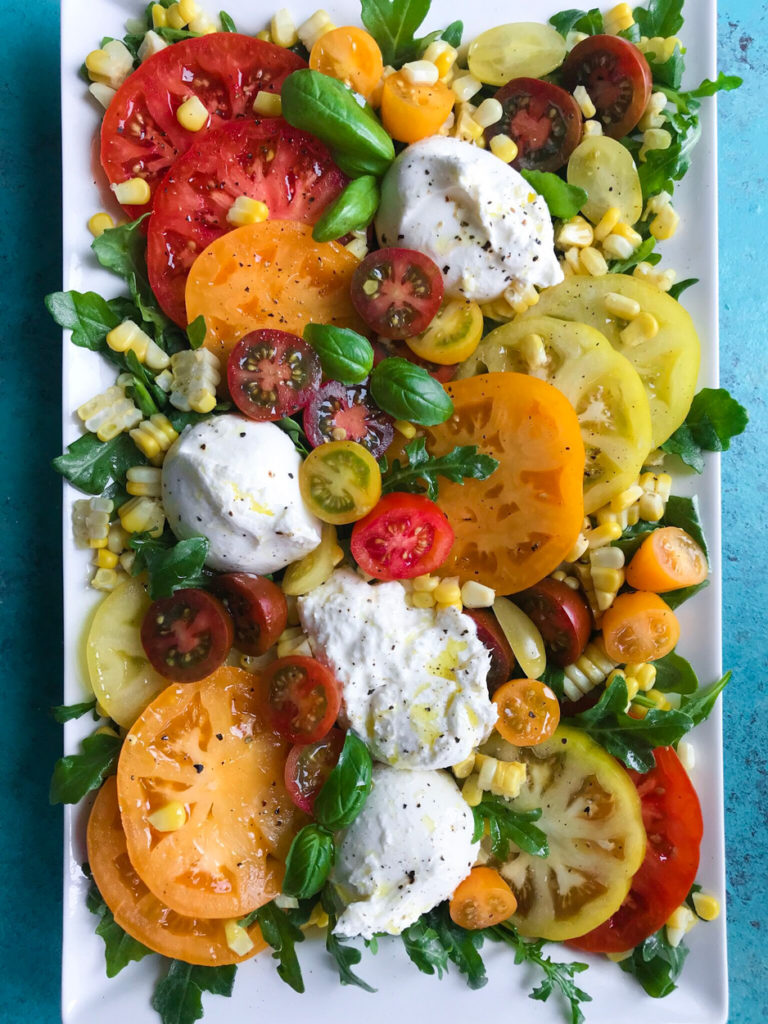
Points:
x=379, y=503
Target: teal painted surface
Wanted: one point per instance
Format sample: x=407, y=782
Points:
x=30, y=630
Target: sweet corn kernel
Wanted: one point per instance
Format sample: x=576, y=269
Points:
x=687, y=754
x=574, y=38
x=159, y=16
x=110, y=65
x=315, y=28
x=706, y=906
x=574, y=232
x=661, y=279
x=593, y=261
x=580, y=546
x=196, y=376
x=664, y=225
x=624, y=230
x=654, y=138
x=151, y=44
x=238, y=939
x=169, y=818
x=603, y=535
x=127, y=558
x=102, y=93
x=268, y=104
x=153, y=437
x=659, y=699
x=245, y=210
x=617, y=248
x=504, y=148
x=448, y=591
x=99, y=223
x=477, y=595
x=441, y=54
x=521, y=297
x=502, y=778
x=653, y=115
x=318, y=918
x=618, y=19
x=465, y=87
x=489, y=112
x=466, y=127
x=421, y=72
x=142, y=514
x=463, y=769
x=174, y=17
x=651, y=508
x=105, y=579
x=582, y=97
x=144, y=480
x=104, y=558
x=588, y=671
x=265, y=35
x=406, y=429
x=643, y=328
x=591, y=129
x=680, y=922
x=134, y=192
x=425, y=584
x=192, y=114
x=624, y=308
x=283, y=29
x=471, y=791
x=422, y=599
x=626, y=498
x=607, y=223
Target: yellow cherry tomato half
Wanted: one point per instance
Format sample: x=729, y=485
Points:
x=669, y=559
x=529, y=712
x=340, y=482
x=483, y=899
x=452, y=336
x=352, y=56
x=639, y=627
x=411, y=111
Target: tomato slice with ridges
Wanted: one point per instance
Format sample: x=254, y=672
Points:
x=272, y=374
x=617, y=77
x=397, y=292
x=188, y=635
x=404, y=536
x=544, y=120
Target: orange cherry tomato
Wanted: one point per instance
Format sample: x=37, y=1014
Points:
x=516, y=527
x=412, y=111
x=639, y=627
x=194, y=940
x=352, y=56
x=667, y=560
x=529, y=712
x=482, y=900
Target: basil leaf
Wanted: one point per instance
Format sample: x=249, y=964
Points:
x=461, y=946
x=282, y=935
x=196, y=331
x=309, y=862
x=407, y=392
x=564, y=200
x=393, y=24
x=699, y=706
x=661, y=18
x=453, y=34
x=423, y=946
x=656, y=964
x=344, y=354
x=171, y=565
x=77, y=774
x=178, y=996
x=68, y=712
x=353, y=210
x=674, y=674
x=713, y=419
x=347, y=787
x=421, y=471
x=227, y=24
x=506, y=825
x=120, y=949
x=86, y=314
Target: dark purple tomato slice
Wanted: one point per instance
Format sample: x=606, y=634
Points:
x=491, y=635
x=341, y=412
x=397, y=292
x=617, y=77
x=272, y=374
x=562, y=616
x=257, y=607
x=308, y=765
x=187, y=636
x=302, y=698
x=543, y=119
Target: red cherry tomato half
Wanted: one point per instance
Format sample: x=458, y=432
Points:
x=491, y=635
x=303, y=698
x=672, y=819
x=187, y=636
x=272, y=374
x=562, y=616
x=397, y=292
x=616, y=76
x=336, y=407
x=404, y=536
x=257, y=607
x=543, y=119
x=308, y=765
x=384, y=347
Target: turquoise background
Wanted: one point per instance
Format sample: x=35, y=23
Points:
x=30, y=628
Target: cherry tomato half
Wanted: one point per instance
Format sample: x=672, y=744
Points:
x=351, y=55
x=303, y=698
x=413, y=110
x=669, y=559
x=349, y=408
x=562, y=617
x=308, y=766
x=272, y=374
x=257, y=607
x=616, y=76
x=543, y=119
x=188, y=635
x=491, y=635
x=340, y=482
x=452, y=336
x=639, y=627
x=482, y=900
x=529, y=712
x=397, y=292
x=406, y=535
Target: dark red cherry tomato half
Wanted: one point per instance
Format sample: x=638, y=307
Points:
x=187, y=636
x=272, y=374
x=616, y=76
x=257, y=607
x=562, y=616
x=672, y=819
x=491, y=635
x=385, y=347
x=543, y=119
x=303, y=698
x=404, y=536
x=308, y=765
x=349, y=408
x=397, y=292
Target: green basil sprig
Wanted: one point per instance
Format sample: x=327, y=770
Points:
x=347, y=787
x=353, y=210
x=407, y=392
x=309, y=862
x=344, y=354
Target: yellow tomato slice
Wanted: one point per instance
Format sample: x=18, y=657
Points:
x=607, y=173
x=352, y=55
x=452, y=336
x=526, y=49
x=340, y=482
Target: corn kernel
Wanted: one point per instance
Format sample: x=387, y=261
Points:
x=653, y=115
x=153, y=437
x=105, y=579
x=188, y=9
x=134, y=192
x=127, y=558
x=651, y=508
x=477, y=595
x=425, y=584
x=159, y=16
x=192, y=114
x=104, y=558
x=654, y=138
x=265, y=36
x=99, y=223
x=664, y=225
x=643, y=328
x=466, y=127
x=238, y=939
x=607, y=223
x=706, y=906
x=110, y=65
x=471, y=791
x=448, y=591
x=659, y=699
x=504, y=148
x=582, y=97
x=687, y=754
x=465, y=87
x=174, y=17
x=422, y=599
x=574, y=232
x=420, y=72
x=268, y=104
x=463, y=769
x=580, y=546
x=488, y=113
x=661, y=279
x=624, y=230
x=591, y=129
x=442, y=54
x=603, y=535
x=618, y=19
x=680, y=921
x=617, y=248
x=624, y=308
x=169, y=818
x=406, y=429
x=593, y=262
x=315, y=28
x=318, y=918
x=283, y=29
x=151, y=44
x=102, y=93
x=607, y=581
x=574, y=38
x=144, y=480
x=142, y=514
x=247, y=211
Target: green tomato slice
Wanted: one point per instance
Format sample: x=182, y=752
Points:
x=591, y=816
x=525, y=49
x=601, y=385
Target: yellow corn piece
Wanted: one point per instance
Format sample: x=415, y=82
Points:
x=267, y=104
x=464, y=768
x=192, y=114
x=99, y=223
x=245, y=210
x=142, y=514
x=706, y=906
x=134, y=192
x=153, y=437
x=169, y=818
x=448, y=591
x=471, y=791
x=105, y=559
x=643, y=328
x=607, y=223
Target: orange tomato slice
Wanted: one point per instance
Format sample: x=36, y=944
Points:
x=529, y=712
x=482, y=900
x=667, y=560
x=639, y=627
x=140, y=913
x=206, y=745
x=351, y=55
x=518, y=525
x=271, y=274
x=412, y=111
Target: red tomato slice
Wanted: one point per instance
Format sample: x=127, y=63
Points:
x=404, y=536
x=272, y=374
x=543, y=119
x=491, y=635
x=303, y=698
x=267, y=160
x=336, y=407
x=672, y=819
x=257, y=607
x=187, y=636
x=308, y=766
x=616, y=76
x=397, y=292
x=562, y=616
x=140, y=136
x=384, y=347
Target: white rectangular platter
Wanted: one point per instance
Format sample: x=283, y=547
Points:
x=403, y=993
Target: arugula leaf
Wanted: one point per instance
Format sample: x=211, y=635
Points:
x=171, y=564
x=661, y=18
x=178, y=996
x=677, y=597
x=296, y=433
x=453, y=33
x=656, y=964
x=309, y=862
x=723, y=83
x=68, y=712
x=677, y=289
x=393, y=24
x=506, y=825
x=419, y=474
x=86, y=314
x=196, y=330
x=227, y=25
x=590, y=22
x=346, y=789
x=674, y=674
x=700, y=705
x=669, y=72
x=423, y=946
x=282, y=935
x=563, y=200
x=643, y=254
x=77, y=774
x=680, y=512
x=346, y=956
x=554, y=677
x=460, y=945
x=120, y=949
x=713, y=419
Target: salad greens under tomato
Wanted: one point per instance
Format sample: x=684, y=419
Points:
x=496, y=455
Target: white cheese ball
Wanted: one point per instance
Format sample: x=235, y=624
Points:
x=407, y=850
x=236, y=482
x=413, y=680
x=474, y=215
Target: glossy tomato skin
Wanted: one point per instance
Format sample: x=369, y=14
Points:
x=308, y=765
x=384, y=347
x=544, y=120
x=258, y=609
x=272, y=374
x=188, y=635
x=404, y=536
x=347, y=407
x=491, y=635
x=617, y=77
x=397, y=292
x=673, y=823
x=302, y=698
x=562, y=616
